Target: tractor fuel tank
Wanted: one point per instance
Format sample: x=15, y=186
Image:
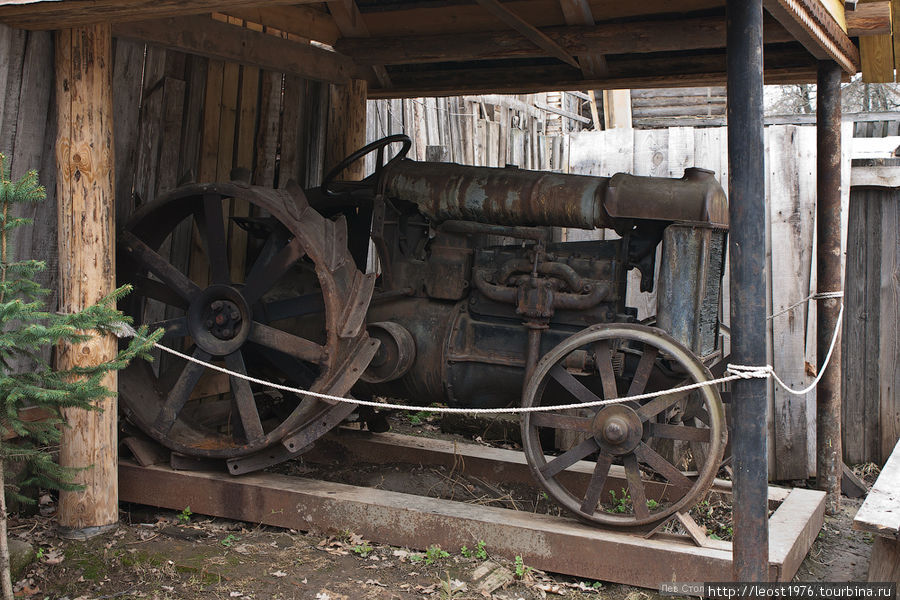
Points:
x=513, y=196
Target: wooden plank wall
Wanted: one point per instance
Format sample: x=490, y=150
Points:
x=27, y=138
x=478, y=130
x=871, y=341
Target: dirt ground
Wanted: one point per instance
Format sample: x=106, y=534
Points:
x=160, y=554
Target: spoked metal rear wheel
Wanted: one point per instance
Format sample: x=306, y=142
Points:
x=244, y=319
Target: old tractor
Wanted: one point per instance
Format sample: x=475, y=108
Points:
x=440, y=283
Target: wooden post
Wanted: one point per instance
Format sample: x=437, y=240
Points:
x=346, y=131
x=86, y=217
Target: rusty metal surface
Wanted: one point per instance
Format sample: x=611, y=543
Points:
x=511, y=196
x=689, y=286
x=554, y=544
x=747, y=247
x=829, y=456
x=696, y=197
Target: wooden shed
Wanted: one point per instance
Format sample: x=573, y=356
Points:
x=279, y=88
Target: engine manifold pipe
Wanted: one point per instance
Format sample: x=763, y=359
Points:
x=512, y=196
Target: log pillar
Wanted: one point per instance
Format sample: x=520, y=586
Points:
x=346, y=131
x=829, y=459
x=86, y=216
x=747, y=248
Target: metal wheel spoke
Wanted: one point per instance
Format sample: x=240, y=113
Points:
x=662, y=466
x=569, y=458
x=180, y=393
x=636, y=486
x=156, y=290
x=175, y=328
x=598, y=481
x=603, y=359
x=661, y=403
x=282, y=341
x=243, y=397
x=265, y=274
x=679, y=432
x=148, y=258
x=643, y=370
x=575, y=387
x=211, y=225
x=560, y=421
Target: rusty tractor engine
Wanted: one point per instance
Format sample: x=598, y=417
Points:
x=441, y=283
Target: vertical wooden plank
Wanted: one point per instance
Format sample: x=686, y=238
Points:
x=35, y=132
x=876, y=53
x=315, y=120
x=172, y=125
x=128, y=67
x=246, y=135
x=12, y=58
x=651, y=152
x=873, y=323
x=618, y=151
x=492, y=146
x=853, y=335
x=347, y=127
x=681, y=150
x=293, y=136
x=212, y=109
x=791, y=234
x=889, y=337
x=192, y=134
x=227, y=120
x=149, y=140
x=269, y=127
x=86, y=185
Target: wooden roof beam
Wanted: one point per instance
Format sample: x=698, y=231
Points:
x=871, y=18
x=350, y=22
x=208, y=37
x=619, y=38
x=532, y=33
x=578, y=12
x=62, y=14
x=814, y=27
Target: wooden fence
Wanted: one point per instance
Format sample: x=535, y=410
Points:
x=871, y=342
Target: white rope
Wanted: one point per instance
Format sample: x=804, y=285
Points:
x=736, y=372
x=813, y=296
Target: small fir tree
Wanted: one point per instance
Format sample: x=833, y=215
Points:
x=27, y=328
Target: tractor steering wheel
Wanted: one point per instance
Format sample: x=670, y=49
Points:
x=377, y=145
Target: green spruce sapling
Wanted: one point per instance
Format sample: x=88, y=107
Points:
x=27, y=328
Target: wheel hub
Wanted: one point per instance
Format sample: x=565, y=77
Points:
x=617, y=429
x=219, y=320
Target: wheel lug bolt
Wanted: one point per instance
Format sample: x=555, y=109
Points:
x=226, y=332
x=209, y=323
x=217, y=305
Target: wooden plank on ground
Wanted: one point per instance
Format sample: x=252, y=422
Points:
x=792, y=205
x=790, y=538
x=544, y=542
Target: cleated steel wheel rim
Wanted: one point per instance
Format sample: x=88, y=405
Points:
x=666, y=449
x=239, y=310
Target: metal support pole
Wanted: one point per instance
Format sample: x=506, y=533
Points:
x=829, y=461
x=747, y=214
